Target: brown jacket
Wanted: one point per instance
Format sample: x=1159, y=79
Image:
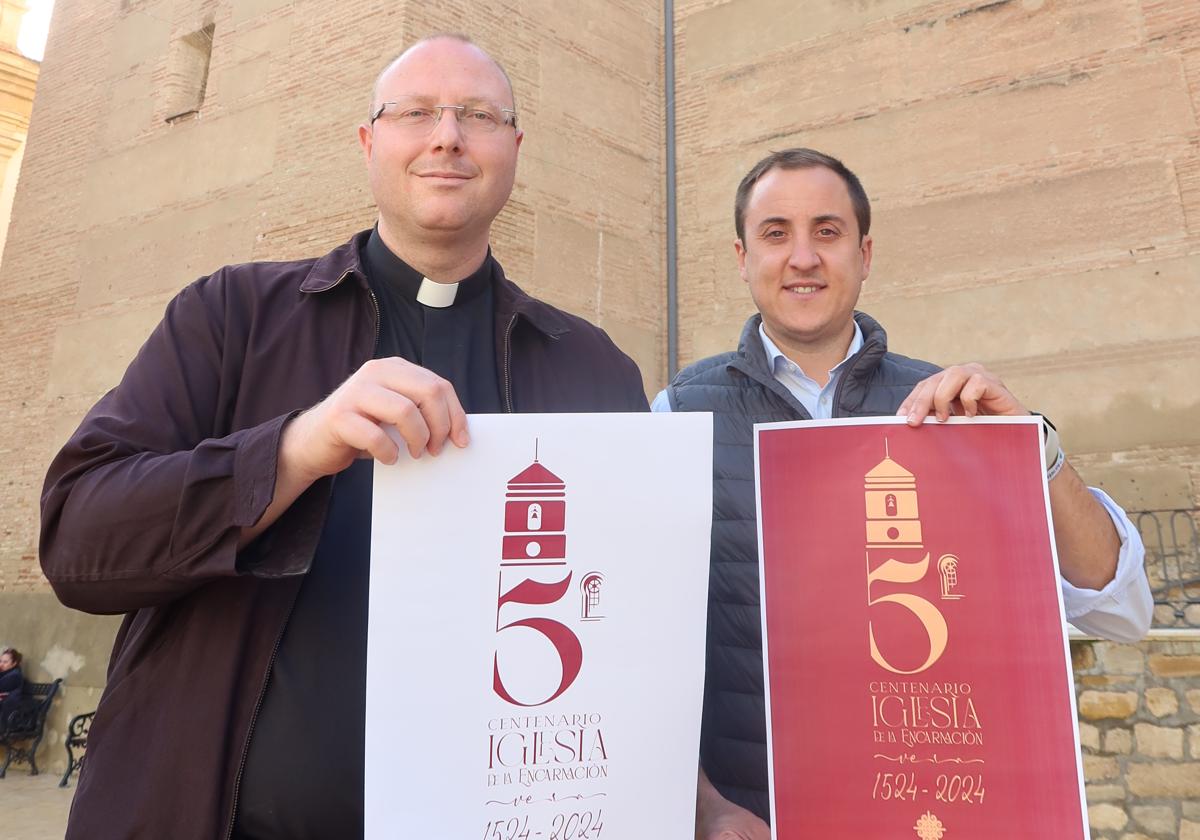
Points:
x=142, y=509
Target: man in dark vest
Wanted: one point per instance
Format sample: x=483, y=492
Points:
x=803, y=247
x=220, y=495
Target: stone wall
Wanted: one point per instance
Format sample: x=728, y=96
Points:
x=18, y=82
x=1139, y=712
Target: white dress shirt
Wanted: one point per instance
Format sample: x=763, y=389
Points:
x=1121, y=611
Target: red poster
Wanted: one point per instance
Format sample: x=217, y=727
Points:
x=918, y=675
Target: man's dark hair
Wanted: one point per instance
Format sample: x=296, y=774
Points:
x=801, y=159
x=14, y=654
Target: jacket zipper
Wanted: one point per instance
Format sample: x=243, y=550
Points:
x=508, y=402
x=378, y=318
x=374, y=303
x=773, y=386
x=262, y=692
x=837, y=391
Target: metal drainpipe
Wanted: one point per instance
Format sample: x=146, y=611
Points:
x=672, y=240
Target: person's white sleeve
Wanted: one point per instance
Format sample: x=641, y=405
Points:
x=661, y=402
x=1123, y=609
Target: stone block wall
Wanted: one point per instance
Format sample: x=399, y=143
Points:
x=1139, y=726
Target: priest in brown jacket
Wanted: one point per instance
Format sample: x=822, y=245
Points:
x=220, y=495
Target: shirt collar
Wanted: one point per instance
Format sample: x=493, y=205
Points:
x=776, y=358
x=383, y=266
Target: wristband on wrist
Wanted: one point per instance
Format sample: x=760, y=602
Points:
x=1056, y=468
x=1053, y=454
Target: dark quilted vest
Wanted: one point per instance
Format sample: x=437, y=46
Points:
x=739, y=389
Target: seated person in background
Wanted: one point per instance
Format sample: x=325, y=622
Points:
x=12, y=683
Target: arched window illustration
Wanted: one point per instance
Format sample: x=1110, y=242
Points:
x=534, y=517
x=589, y=588
x=948, y=569
x=889, y=504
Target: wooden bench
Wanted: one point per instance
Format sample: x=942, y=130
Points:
x=26, y=724
x=77, y=735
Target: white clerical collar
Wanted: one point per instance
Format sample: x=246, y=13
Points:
x=436, y=295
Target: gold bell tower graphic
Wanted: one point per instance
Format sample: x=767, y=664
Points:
x=893, y=519
x=896, y=555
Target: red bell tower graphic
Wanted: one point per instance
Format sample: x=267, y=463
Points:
x=535, y=518
x=534, y=543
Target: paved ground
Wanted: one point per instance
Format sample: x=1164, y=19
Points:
x=34, y=807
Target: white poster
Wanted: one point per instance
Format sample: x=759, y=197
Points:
x=535, y=658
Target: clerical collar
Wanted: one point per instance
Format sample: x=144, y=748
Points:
x=383, y=266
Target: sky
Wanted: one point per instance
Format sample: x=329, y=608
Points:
x=32, y=40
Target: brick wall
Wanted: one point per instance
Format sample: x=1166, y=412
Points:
x=1033, y=166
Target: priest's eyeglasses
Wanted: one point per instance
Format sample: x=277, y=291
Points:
x=475, y=119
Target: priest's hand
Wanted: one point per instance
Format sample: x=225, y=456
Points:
x=719, y=819
x=965, y=390
x=350, y=422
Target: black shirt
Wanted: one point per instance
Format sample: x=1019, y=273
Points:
x=303, y=776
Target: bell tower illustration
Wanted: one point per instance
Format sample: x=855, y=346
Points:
x=535, y=512
x=896, y=555
x=533, y=545
x=893, y=519
x=894, y=522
